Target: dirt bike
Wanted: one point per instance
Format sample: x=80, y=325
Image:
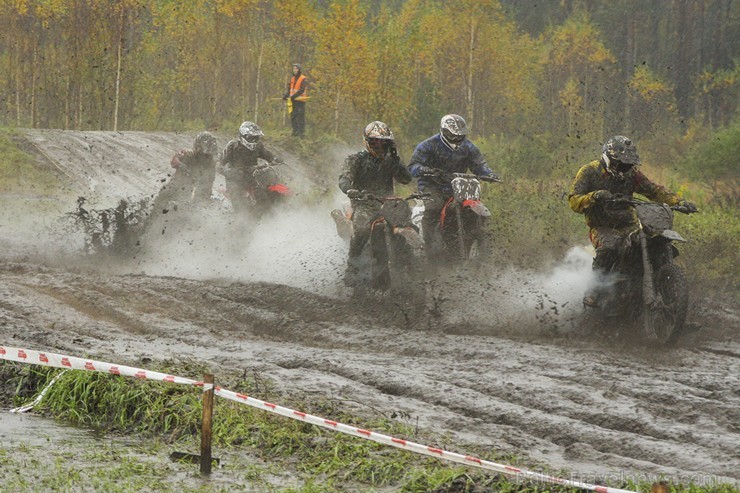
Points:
x=648, y=287
x=267, y=188
x=395, y=244
x=463, y=220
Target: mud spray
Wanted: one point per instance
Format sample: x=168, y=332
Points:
x=291, y=246
x=296, y=244
x=506, y=299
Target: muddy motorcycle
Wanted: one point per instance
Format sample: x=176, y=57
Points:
x=647, y=287
x=266, y=190
x=395, y=244
x=464, y=218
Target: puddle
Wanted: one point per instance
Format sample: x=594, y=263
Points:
x=19, y=430
x=38, y=454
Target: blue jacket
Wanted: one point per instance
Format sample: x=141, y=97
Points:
x=433, y=153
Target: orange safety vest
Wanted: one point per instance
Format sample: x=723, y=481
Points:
x=295, y=86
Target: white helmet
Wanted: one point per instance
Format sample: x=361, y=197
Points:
x=453, y=130
x=249, y=135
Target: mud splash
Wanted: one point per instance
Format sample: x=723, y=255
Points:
x=508, y=367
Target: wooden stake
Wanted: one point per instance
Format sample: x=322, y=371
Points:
x=206, y=427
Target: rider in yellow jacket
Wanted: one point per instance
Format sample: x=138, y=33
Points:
x=616, y=173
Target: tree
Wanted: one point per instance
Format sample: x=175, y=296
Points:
x=346, y=66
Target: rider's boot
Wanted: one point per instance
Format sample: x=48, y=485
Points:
x=600, y=267
x=352, y=272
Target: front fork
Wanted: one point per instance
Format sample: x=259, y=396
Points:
x=460, y=232
x=648, y=288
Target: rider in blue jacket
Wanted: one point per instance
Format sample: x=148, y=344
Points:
x=451, y=152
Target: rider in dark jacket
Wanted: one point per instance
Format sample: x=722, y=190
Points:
x=239, y=160
x=616, y=173
x=451, y=152
x=195, y=169
x=372, y=170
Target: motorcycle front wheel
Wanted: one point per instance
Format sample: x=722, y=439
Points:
x=669, y=314
x=478, y=246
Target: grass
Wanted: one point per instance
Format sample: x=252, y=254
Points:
x=265, y=452
x=19, y=170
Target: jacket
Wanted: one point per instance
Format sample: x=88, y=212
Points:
x=593, y=177
x=237, y=162
x=363, y=171
x=433, y=153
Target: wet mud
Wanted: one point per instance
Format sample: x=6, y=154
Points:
x=502, y=358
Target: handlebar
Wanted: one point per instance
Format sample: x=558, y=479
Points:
x=438, y=173
x=364, y=195
x=625, y=199
x=682, y=209
x=265, y=164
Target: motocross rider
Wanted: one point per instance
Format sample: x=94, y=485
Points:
x=615, y=174
x=373, y=171
x=195, y=169
x=451, y=152
x=239, y=160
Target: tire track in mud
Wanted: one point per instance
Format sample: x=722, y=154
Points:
x=510, y=412
x=564, y=402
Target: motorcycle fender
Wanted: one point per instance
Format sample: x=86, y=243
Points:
x=411, y=236
x=672, y=235
x=279, y=188
x=477, y=207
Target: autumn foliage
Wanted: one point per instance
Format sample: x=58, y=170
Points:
x=563, y=72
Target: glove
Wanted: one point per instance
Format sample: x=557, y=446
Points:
x=425, y=170
x=353, y=194
x=689, y=207
x=285, y=98
x=392, y=149
x=603, y=195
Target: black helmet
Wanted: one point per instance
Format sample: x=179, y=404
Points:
x=205, y=143
x=249, y=135
x=453, y=130
x=619, y=156
x=377, y=136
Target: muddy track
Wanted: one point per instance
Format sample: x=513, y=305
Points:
x=564, y=401
x=509, y=364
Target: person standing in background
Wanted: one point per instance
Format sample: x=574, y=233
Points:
x=296, y=93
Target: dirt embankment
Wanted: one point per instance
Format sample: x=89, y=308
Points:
x=509, y=365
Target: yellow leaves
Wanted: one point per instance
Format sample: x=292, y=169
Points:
x=237, y=8
x=719, y=80
x=570, y=95
x=16, y=6
x=648, y=86
x=346, y=62
x=577, y=43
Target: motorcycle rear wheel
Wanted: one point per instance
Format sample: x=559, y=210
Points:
x=669, y=315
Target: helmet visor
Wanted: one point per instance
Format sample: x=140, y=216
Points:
x=252, y=139
x=378, y=146
x=453, y=138
x=621, y=167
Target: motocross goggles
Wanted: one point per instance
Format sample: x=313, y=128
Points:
x=378, y=146
x=453, y=138
x=621, y=167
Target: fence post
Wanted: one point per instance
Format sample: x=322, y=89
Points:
x=206, y=427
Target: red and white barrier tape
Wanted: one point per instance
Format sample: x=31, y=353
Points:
x=73, y=363
x=60, y=361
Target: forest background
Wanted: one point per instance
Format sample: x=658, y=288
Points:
x=541, y=84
